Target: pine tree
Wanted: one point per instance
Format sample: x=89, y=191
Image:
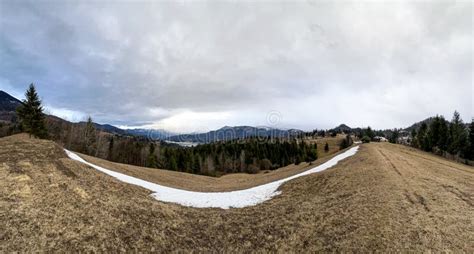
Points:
x=110, y=155
x=173, y=165
x=31, y=114
x=370, y=133
x=298, y=160
x=394, y=137
x=90, y=137
x=151, y=161
x=312, y=154
x=414, y=141
x=326, y=147
x=422, y=138
x=470, y=150
x=210, y=166
x=197, y=164
x=443, y=134
x=243, y=167
x=433, y=134
x=346, y=142
x=458, y=139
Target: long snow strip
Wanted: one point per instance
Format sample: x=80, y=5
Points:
x=225, y=200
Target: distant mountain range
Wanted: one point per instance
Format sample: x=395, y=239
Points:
x=231, y=133
x=108, y=128
x=8, y=102
x=151, y=133
x=8, y=105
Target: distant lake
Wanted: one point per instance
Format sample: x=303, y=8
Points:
x=184, y=144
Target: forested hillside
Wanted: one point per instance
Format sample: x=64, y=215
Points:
x=246, y=155
x=452, y=139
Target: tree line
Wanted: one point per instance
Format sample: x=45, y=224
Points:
x=441, y=136
x=436, y=135
x=249, y=156
x=245, y=155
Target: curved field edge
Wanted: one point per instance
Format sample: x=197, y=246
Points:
x=225, y=200
x=227, y=182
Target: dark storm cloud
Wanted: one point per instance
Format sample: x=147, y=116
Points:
x=316, y=63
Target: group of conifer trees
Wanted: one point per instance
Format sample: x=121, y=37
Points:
x=249, y=155
x=441, y=136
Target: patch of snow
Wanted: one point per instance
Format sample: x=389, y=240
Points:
x=225, y=200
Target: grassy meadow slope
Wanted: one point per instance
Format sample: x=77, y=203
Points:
x=385, y=197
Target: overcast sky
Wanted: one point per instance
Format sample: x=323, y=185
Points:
x=202, y=65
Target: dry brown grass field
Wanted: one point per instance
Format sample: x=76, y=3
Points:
x=386, y=197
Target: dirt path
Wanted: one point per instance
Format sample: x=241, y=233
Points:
x=438, y=194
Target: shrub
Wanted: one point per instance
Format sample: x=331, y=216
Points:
x=346, y=142
x=265, y=164
x=252, y=169
x=365, y=139
x=297, y=160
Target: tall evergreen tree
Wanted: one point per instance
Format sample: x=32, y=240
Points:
x=443, y=134
x=312, y=153
x=110, y=152
x=422, y=138
x=458, y=139
x=173, y=165
x=370, y=133
x=394, y=136
x=151, y=161
x=433, y=133
x=346, y=142
x=31, y=114
x=90, y=137
x=470, y=150
x=414, y=140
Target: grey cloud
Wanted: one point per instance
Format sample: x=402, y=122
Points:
x=135, y=63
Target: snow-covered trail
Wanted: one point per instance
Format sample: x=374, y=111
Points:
x=225, y=200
